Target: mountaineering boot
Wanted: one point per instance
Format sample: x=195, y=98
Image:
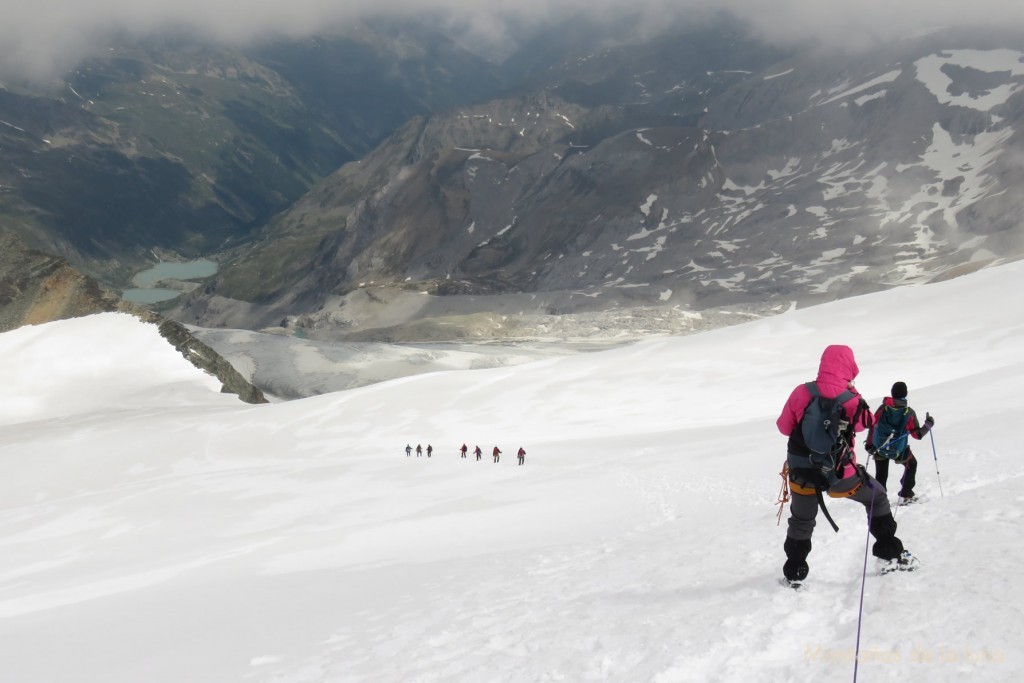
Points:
x=887, y=546
x=795, y=569
x=904, y=563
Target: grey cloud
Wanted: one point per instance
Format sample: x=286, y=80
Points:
x=41, y=39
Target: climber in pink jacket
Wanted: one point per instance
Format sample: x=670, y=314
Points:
x=851, y=481
x=835, y=375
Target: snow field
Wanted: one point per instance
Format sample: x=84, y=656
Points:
x=153, y=529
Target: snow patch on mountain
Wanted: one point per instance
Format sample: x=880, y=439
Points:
x=848, y=92
x=777, y=75
x=930, y=71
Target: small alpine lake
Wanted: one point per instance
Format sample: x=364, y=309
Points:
x=147, y=293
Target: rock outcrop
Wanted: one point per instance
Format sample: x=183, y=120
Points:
x=36, y=288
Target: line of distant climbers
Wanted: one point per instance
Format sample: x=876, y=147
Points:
x=476, y=451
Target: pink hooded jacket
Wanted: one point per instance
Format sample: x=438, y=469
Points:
x=836, y=373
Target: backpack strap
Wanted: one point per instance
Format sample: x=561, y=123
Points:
x=862, y=407
x=824, y=510
x=845, y=396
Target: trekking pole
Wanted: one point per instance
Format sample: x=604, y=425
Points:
x=931, y=432
x=863, y=580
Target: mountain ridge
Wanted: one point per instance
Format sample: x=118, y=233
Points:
x=693, y=170
x=187, y=146
x=806, y=180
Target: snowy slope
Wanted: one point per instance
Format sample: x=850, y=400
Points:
x=183, y=537
x=97, y=363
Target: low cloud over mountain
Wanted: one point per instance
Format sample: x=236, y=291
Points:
x=39, y=42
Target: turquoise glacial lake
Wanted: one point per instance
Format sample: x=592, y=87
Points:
x=147, y=293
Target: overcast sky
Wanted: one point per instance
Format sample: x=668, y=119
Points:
x=41, y=38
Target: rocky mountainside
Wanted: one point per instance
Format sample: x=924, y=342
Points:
x=742, y=176
x=187, y=147
x=37, y=288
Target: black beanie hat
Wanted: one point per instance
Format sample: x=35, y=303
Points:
x=899, y=390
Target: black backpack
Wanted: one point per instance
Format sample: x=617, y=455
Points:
x=827, y=430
